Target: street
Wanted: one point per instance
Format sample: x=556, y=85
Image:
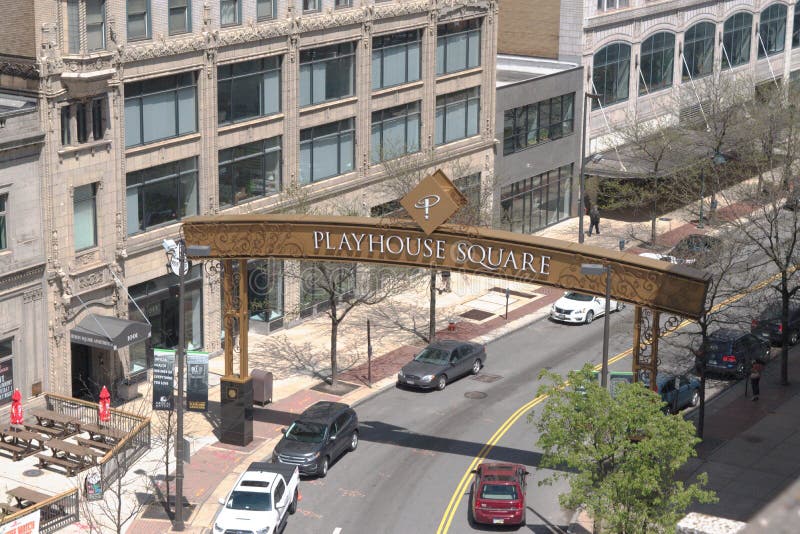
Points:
x=415, y=446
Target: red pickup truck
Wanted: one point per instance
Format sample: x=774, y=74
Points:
x=498, y=494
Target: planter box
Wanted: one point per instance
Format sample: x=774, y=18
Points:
x=128, y=391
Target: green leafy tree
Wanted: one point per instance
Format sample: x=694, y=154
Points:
x=620, y=454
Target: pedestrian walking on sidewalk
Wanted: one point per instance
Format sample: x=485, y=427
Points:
x=594, y=220
x=755, y=377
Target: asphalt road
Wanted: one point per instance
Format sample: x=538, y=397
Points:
x=415, y=446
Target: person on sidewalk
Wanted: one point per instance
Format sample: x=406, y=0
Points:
x=594, y=220
x=446, y=281
x=755, y=377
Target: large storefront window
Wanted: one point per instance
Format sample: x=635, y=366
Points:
x=611, y=74
x=161, y=194
x=249, y=171
x=736, y=40
x=265, y=290
x=772, y=30
x=537, y=202
x=318, y=281
x=158, y=299
x=538, y=122
x=698, y=50
x=657, y=62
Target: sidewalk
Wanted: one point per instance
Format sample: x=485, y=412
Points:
x=215, y=466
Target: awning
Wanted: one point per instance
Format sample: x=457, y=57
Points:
x=108, y=333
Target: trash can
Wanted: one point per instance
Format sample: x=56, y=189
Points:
x=262, y=386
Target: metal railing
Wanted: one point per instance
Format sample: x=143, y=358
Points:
x=56, y=512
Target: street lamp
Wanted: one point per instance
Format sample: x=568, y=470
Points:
x=597, y=269
x=177, y=263
x=582, y=178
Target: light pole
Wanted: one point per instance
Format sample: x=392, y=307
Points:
x=702, y=196
x=177, y=263
x=587, y=97
x=596, y=269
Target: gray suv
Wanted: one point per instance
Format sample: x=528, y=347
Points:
x=321, y=434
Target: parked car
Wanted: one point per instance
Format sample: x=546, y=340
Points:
x=441, y=362
x=498, y=494
x=321, y=434
x=730, y=352
x=768, y=325
x=693, y=247
x=261, y=500
x=678, y=392
x=576, y=307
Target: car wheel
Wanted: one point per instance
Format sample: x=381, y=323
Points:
x=793, y=337
x=441, y=382
x=476, y=367
x=619, y=306
x=354, y=441
x=323, y=469
x=293, y=505
x=589, y=317
x=695, y=399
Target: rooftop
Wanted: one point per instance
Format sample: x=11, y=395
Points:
x=513, y=69
x=11, y=104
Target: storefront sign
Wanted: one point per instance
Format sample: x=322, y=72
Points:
x=6, y=381
x=27, y=524
x=197, y=381
x=163, y=379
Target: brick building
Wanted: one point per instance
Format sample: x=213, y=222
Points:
x=154, y=110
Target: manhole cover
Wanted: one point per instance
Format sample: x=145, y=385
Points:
x=32, y=472
x=753, y=439
x=486, y=378
x=476, y=315
x=475, y=395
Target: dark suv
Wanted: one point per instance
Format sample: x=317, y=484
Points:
x=731, y=352
x=322, y=433
x=768, y=325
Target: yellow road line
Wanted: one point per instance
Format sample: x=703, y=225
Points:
x=452, y=506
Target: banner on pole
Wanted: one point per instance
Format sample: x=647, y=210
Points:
x=163, y=379
x=197, y=381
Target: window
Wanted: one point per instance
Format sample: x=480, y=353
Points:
x=138, y=19
x=161, y=194
x=98, y=118
x=736, y=40
x=326, y=150
x=343, y=3
x=279, y=491
x=538, y=122
x=458, y=46
x=396, y=58
x=85, y=216
x=311, y=5
x=66, y=128
x=230, y=12
x=90, y=121
x=248, y=89
x=249, y=171
x=160, y=108
x=657, y=62
x=457, y=115
x=608, y=5
x=320, y=281
x=698, y=50
x=395, y=131
x=611, y=75
x=180, y=16
x=796, y=26
x=265, y=9
x=772, y=30
x=265, y=289
x=93, y=25
x=534, y=203
x=3, y=226
x=327, y=73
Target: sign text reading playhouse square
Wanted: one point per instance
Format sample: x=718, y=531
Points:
x=488, y=257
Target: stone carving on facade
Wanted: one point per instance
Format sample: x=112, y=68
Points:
x=22, y=277
x=325, y=21
x=396, y=9
x=18, y=69
x=91, y=280
x=86, y=259
x=32, y=295
x=456, y=9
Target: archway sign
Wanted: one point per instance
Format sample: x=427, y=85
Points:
x=426, y=241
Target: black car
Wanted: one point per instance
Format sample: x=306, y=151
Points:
x=440, y=362
x=321, y=434
x=768, y=325
x=730, y=352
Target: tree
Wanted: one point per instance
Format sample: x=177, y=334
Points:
x=620, y=454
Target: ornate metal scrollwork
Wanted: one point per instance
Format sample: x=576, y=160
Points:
x=648, y=330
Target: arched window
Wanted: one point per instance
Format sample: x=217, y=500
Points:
x=698, y=50
x=772, y=30
x=736, y=40
x=657, y=62
x=611, y=74
x=796, y=26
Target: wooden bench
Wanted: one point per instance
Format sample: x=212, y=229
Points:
x=103, y=431
x=9, y=509
x=16, y=451
x=49, y=430
x=102, y=445
x=71, y=467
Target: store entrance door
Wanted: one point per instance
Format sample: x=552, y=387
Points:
x=83, y=384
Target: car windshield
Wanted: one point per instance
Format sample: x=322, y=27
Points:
x=433, y=355
x=499, y=492
x=249, y=500
x=571, y=295
x=306, y=432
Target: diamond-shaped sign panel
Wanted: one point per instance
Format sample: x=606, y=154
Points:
x=434, y=200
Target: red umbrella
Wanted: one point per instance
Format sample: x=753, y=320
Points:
x=16, y=408
x=104, y=407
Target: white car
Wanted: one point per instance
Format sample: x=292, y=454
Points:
x=665, y=257
x=576, y=307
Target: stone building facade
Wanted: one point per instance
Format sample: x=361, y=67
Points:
x=154, y=110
